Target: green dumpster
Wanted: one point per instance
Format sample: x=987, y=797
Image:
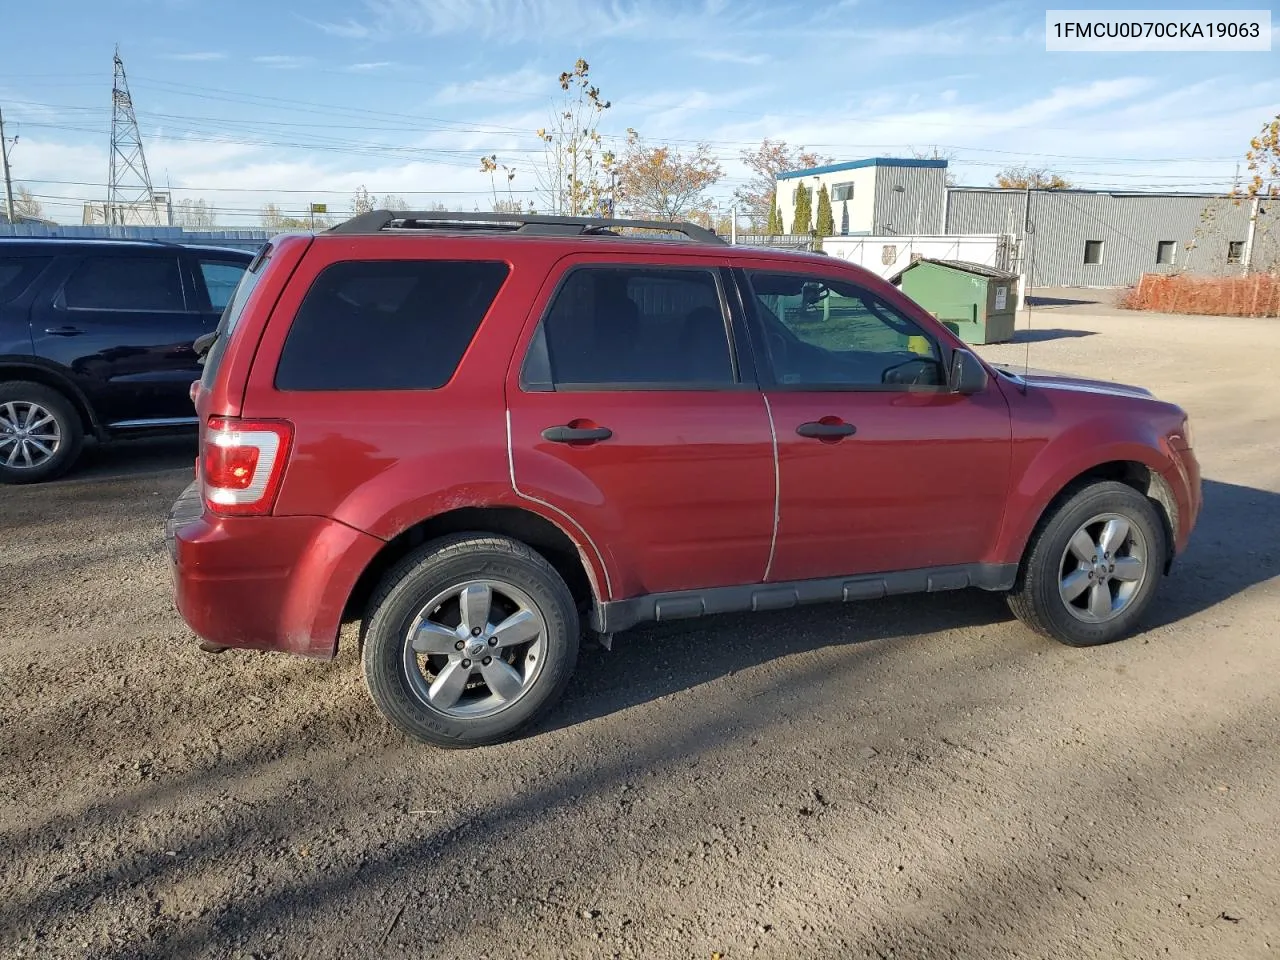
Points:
x=976, y=302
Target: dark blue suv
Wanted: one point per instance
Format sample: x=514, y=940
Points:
x=97, y=339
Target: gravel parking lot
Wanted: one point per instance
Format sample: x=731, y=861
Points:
x=914, y=777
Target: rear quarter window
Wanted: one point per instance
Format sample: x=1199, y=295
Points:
x=387, y=324
x=16, y=274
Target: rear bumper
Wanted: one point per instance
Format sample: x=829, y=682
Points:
x=263, y=583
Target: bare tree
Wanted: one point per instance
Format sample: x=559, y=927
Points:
x=574, y=173
x=934, y=153
x=26, y=206
x=1262, y=160
x=766, y=161
x=1023, y=177
x=197, y=214
x=662, y=183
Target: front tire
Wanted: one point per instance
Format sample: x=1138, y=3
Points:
x=469, y=639
x=1092, y=567
x=40, y=433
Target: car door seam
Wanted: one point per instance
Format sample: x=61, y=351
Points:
x=777, y=485
x=511, y=468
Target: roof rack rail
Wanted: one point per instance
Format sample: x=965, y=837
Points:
x=376, y=221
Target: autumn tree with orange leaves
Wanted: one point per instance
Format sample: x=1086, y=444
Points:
x=663, y=183
x=765, y=162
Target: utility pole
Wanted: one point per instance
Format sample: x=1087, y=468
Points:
x=8, y=180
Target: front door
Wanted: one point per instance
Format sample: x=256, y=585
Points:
x=634, y=412
x=880, y=467
x=121, y=326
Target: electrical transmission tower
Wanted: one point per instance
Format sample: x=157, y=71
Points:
x=130, y=199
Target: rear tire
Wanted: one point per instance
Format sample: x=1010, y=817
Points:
x=469, y=639
x=1092, y=567
x=40, y=433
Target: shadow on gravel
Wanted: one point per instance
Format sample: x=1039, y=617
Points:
x=1235, y=545
x=131, y=458
x=1034, y=335
x=651, y=662
x=1035, y=301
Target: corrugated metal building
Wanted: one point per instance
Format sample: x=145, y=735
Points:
x=1078, y=238
x=880, y=195
x=1094, y=238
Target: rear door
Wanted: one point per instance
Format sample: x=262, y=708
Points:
x=634, y=411
x=123, y=325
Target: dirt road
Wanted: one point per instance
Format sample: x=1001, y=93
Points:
x=912, y=778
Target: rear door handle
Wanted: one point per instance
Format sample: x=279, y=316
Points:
x=825, y=431
x=566, y=434
x=63, y=331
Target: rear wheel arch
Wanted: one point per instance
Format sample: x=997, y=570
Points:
x=565, y=554
x=35, y=373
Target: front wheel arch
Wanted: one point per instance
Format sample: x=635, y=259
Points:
x=1132, y=473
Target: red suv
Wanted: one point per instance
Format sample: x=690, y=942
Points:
x=480, y=435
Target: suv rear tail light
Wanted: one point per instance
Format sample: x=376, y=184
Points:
x=242, y=463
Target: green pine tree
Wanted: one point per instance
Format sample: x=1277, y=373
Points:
x=826, y=219
x=774, y=226
x=803, y=222
x=844, y=217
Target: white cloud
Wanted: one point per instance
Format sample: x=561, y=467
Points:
x=370, y=67
x=516, y=21
x=198, y=56
x=730, y=56
x=348, y=29
x=280, y=61
x=524, y=84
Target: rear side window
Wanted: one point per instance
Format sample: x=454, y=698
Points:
x=642, y=327
x=220, y=279
x=144, y=284
x=387, y=324
x=16, y=274
x=231, y=314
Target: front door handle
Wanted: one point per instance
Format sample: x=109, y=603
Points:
x=826, y=431
x=567, y=434
x=63, y=331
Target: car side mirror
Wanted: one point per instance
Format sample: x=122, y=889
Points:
x=967, y=376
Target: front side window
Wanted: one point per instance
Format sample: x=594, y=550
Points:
x=220, y=279
x=821, y=332
x=633, y=327
x=1164, y=251
x=150, y=284
x=1235, y=251
x=1093, y=252
x=387, y=324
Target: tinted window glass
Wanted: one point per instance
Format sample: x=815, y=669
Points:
x=220, y=279
x=125, y=283
x=16, y=274
x=828, y=332
x=387, y=325
x=231, y=315
x=637, y=325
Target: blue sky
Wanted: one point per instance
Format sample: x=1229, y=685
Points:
x=288, y=101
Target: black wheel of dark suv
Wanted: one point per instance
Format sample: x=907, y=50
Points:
x=469, y=639
x=40, y=432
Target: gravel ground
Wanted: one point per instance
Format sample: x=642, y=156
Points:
x=914, y=777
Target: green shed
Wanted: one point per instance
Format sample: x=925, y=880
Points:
x=977, y=302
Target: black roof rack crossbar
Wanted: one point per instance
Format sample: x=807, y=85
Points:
x=376, y=221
